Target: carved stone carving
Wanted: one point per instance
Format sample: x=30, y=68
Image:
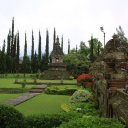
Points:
x=110, y=77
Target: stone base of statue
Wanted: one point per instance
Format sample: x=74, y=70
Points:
x=56, y=71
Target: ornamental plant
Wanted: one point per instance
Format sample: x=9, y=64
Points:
x=84, y=80
x=81, y=96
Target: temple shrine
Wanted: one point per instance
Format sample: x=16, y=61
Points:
x=56, y=69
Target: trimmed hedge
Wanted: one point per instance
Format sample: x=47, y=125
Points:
x=60, y=91
x=92, y=122
x=10, y=118
x=49, y=121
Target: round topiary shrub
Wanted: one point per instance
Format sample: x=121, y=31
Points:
x=11, y=118
x=81, y=96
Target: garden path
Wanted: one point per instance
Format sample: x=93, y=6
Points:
x=26, y=96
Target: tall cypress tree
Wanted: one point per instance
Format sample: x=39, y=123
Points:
x=68, y=46
x=12, y=37
x=43, y=62
x=32, y=48
x=9, y=57
x=25, y=46
x=54, y=38
x=26, y=60
x=3, y=59
x=9, y=43
x=14, y=53
x=47, y=48
x=17, y=52
x=35, y=63
x=14, y=46
x=91, y=50
x=62, y=42
x=39, y=51
x=25, y=56
x=12, y=49
x=32, y=53
x=76, y=48
x=3, y=48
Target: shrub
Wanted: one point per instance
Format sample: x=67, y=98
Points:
x=60, y=91
x=81, y=96
x=89, y=108
x=84, y=80
x=10, y=118
x=49, y=121
x=92, y=122
x=65, y=107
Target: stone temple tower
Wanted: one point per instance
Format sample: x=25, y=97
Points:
x=57, y=53
x=56, y=69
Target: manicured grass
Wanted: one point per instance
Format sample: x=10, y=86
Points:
x=43, y=104
x=4, y=97
x=9, y=83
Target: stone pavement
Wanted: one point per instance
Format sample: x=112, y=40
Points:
x=26, y=96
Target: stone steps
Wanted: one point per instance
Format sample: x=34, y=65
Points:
x=38, y=89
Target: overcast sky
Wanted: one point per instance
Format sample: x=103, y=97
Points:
x=74, y=19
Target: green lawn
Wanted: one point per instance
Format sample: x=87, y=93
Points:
x=43, y=103
x=4, y=97
x=9, y=83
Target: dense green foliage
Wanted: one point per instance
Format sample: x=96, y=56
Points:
x=78, y=60
x=49, y=121
x=121, y=35
x=10, y=118
x=9, y=57
x=56, y=90
x=92, y=122
x=89, y=108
